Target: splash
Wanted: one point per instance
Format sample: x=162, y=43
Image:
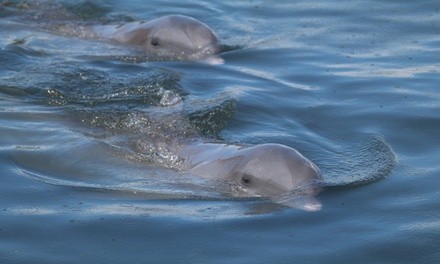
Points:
x=366, y=159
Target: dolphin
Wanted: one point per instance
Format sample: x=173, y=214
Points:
x=275, y=171
x=170, y=37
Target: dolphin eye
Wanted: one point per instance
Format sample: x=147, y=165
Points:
x=246, y=180
x=155, y=42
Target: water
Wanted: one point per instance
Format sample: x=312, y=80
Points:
x=353, y=86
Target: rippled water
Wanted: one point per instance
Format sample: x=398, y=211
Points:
x=352, y=85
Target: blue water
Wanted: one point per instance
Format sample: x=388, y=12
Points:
x=352, y=85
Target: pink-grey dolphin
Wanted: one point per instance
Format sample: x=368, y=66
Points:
x=170, y=37
x=266, y=170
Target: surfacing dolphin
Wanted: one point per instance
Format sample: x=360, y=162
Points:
x=169, y=37
x=266, y=170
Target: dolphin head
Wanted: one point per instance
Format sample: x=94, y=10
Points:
x=177, y=36
x=271, y=169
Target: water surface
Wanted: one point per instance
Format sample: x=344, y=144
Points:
x=353, y=86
